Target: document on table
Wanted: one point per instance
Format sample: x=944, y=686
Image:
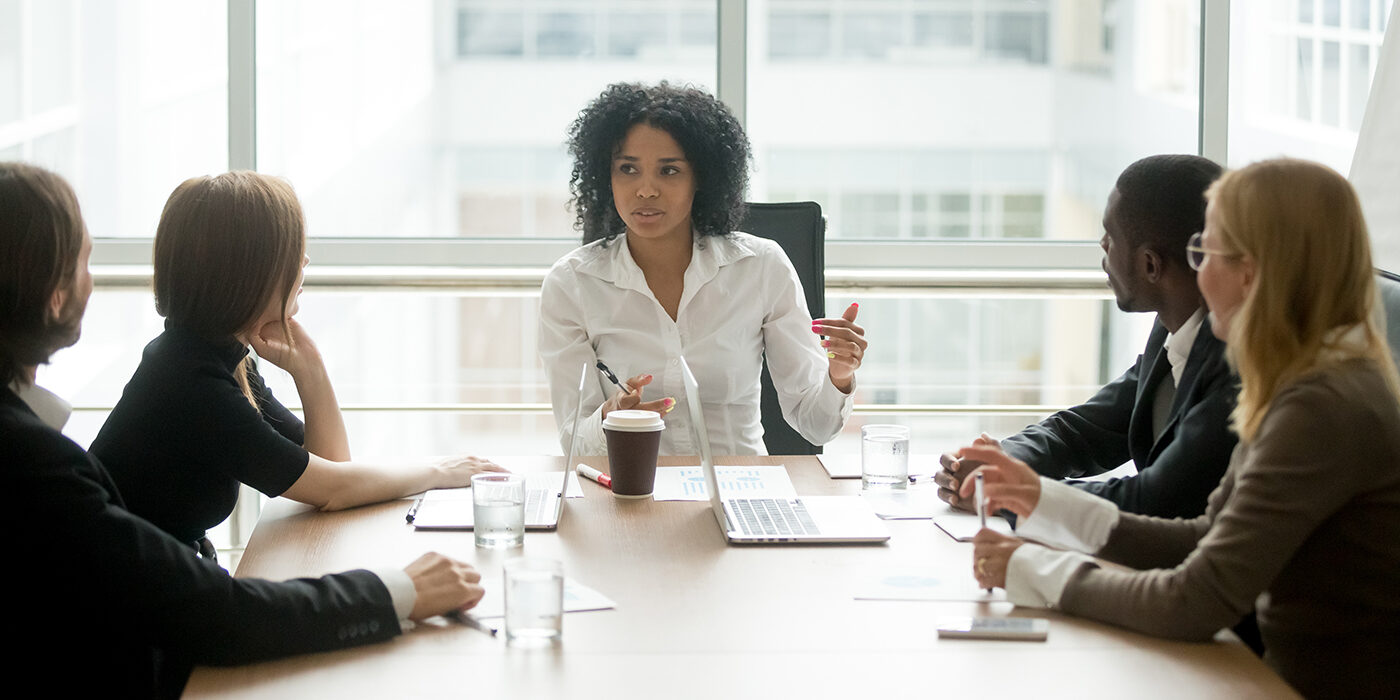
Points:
x=926, y=584
x=914, y=503
x=847, y=466
x=962, y=526
x=688, y=483
x=577, y=598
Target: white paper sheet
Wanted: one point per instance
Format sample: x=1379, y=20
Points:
x=577, y=598
x=847, y=466
x=688, y=483
x=914, y=503
x=926, y=584
x=963, y=526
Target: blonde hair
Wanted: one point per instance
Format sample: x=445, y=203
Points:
x=226, y=246
x=1301, y=224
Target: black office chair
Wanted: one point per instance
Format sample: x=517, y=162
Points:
x=801, y=230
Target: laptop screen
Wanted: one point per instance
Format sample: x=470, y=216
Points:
x=702, y=442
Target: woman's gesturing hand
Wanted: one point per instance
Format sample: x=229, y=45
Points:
x=845, y=346
x=632, y=400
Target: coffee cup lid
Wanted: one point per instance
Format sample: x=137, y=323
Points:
x=633, y=421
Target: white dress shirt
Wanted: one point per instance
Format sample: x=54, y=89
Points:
x=1178, y=345
x=54, y=412
x=741, y=299
x=1067, y=517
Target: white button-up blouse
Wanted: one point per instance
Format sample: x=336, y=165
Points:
x=741, y=299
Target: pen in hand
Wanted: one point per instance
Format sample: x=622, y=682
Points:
x=613, y=377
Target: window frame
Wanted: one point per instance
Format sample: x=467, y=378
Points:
x=957, y=264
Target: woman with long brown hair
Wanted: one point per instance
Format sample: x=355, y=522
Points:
x=1305, y=524
x=196, y=418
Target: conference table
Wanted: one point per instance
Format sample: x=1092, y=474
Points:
x=697, y=618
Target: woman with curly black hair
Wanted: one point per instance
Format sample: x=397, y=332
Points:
x=658, y=186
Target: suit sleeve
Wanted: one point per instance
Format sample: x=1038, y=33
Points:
x=1289, y=483
x=98, y=561
x=1084, y=440
x=1185, y=472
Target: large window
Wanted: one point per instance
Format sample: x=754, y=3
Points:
x=1301, y=73
x=447, y=118
x=991, y=119
x=124, y=99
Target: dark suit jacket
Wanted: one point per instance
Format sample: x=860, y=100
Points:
x=103, y=604
x=1176, y=471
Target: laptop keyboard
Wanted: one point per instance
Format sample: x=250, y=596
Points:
x=534, y=504
x=772, y=516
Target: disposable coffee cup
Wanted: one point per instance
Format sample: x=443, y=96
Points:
x=634, y=437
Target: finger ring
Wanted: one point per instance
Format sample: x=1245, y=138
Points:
x=981, y=566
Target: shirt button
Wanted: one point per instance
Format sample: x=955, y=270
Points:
x=675, y=362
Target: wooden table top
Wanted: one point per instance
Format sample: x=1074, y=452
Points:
x=696, y=617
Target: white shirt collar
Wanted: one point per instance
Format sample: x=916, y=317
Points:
x=1179, y=344
x=48, y=406
x=614, y=262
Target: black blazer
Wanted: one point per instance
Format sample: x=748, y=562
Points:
x=1178, y=470
x=103, y=604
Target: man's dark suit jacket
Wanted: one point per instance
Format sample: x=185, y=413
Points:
x=1176, y=471
x=101, y=603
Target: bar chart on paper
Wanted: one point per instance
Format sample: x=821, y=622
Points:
x=688, y=483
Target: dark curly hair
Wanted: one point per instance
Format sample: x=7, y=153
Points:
x=705, y=129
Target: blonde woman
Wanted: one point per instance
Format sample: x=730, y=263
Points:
x=196, y=419
x=1307, y=517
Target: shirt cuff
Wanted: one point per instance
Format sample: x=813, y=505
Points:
x=1036, y=576
x=833, y=396
x=591, y=439
x=401, y=590
x=1070, y=518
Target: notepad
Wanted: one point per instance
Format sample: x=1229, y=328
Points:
x=963, y=526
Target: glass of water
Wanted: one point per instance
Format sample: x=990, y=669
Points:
x=498, y=510
x=534, y=601
x=884, y=457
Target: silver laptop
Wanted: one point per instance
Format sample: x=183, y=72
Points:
x=451, y=509
x=832, y=519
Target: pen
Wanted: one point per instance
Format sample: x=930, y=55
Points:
x=981, y=506
x=462, y=618
x=613, y=377
x=413, y=510
x=595, y=475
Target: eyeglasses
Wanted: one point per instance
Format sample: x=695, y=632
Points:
x=1196, y=253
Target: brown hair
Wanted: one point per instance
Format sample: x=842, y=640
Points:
x=225, y=247
x=1301, y=224
x=41, y=236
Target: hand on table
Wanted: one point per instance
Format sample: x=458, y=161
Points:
x=458, y=471
x=991, y=552
x=443, y=585
x=632, y=401
x=845, y=346
x=1008, y=482
x=955, y=470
